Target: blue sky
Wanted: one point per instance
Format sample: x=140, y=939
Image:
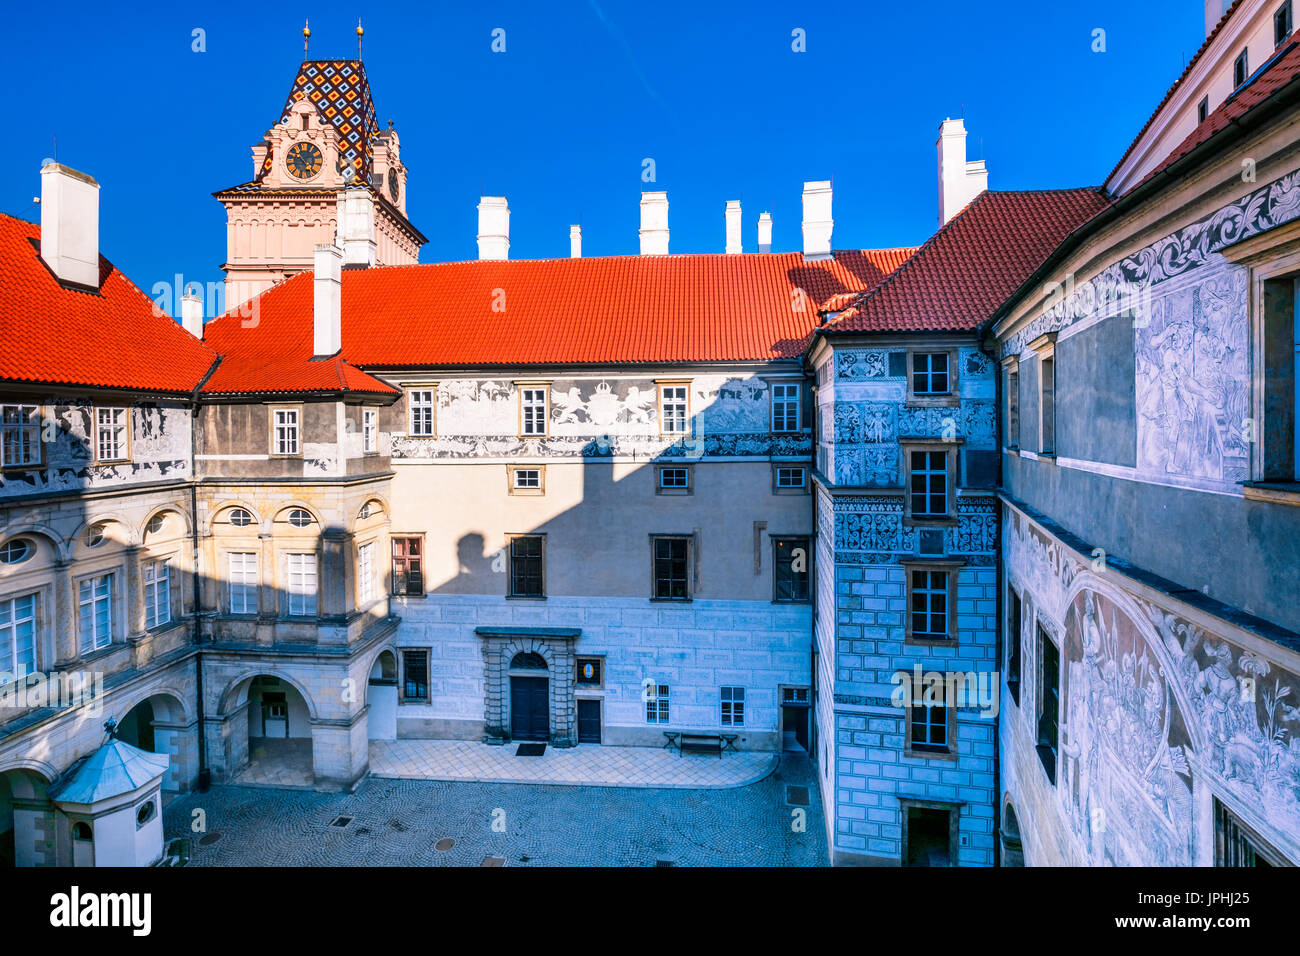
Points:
x=585, y=91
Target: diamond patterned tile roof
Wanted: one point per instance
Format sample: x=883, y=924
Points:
x=594, y=310
x=341, y=94
x=967, y=269
x=112, y=338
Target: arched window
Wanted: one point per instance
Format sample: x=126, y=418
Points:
x=156, y=524
x=240, y=517
x=81, y=831
x=528, y=660
x=95, y=534
x=300, y=518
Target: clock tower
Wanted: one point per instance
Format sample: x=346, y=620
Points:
x=326, y=148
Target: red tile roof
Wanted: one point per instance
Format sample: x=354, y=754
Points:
x=1284, y=70
x=969, y=267
x=1191, y=64
x=110, y=339
x=621, y=309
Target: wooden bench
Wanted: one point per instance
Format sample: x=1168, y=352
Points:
x=700, y=744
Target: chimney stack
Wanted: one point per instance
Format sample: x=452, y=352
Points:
x=356, y=227
x=575, y=242
x=327, y=301
x=192, y=314
x=493, y=228
x=765, y=232
x=654, y=224
x=959, y=181
x=817, y=222
x=732, y=215
x=70, y=225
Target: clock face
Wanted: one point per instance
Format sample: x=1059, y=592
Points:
x=392, y=185
x=303, y=160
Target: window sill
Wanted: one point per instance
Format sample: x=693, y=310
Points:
x=1275, y=492
x=659, y=600
x=525, y=597
x=932, y=401
x=412, y=595
x=674, y=492
x=804, y=603
x=930, y=754
x=930, y=641
x=926, y=521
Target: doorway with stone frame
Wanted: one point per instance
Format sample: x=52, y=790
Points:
x=522, y=667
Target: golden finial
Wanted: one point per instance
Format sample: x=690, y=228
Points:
x=360, y=34
x=306, y=35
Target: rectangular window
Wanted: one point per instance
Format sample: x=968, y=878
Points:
x=17, y=637
x=1240, y=69
x=20, y=435
x=791, y=476
x=1013, y=407
x=671, y=566
x=366, y=573
x=674, y=478
x=1047, y=404
x=1280, y=432
x=532, y=411
x=415, y=675
x=1014, y=613
x=674, y=410
x=302, y=584
x=1049, y=713
x=369, y=431
x=589, y=671
x=157, y=594
x=929, y=728
x=733, y=706
x=421, y=402
x=790, y=569
x=1282, y=24
x=1202, y=110
x=1238, y=845
x=111, y=434
x=526, y=566
x=95, y=624
x=929, y=605
x=243, y=582
x=526, y=478
x=408, y=565
x=285, y=437
x=656, y=705
x=785, y=408
x=928, y=483
x=930, y=373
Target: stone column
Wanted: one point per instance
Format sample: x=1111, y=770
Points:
x=65, y=618
x=133, y=593
x=267, y=573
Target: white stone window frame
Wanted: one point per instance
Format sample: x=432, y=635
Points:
x=658, y=702
x=786, y=411
x=422, y=410
x=731, y=707
x=1044, y=348
x=9, y=629
x=156, y=585
x=238, y=575
x=286, y=430
x=112, y=434
x=370, y=431
x=20, y=430
x=86, y=611
x=301, y=568
x=674, y=408
x=534, y=409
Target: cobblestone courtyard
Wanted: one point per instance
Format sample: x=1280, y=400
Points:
x=401, y=823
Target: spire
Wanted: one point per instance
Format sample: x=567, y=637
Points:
x=306, y=35
x=360, y=33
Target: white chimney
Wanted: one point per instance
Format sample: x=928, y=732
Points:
x=654, y=224
x=732, y=215
x=493, y=228
x=575, y=242
x=765, y=232
x=70, y=224
x=192, y=314
x=959, y=181
x=327, y=301
x=356, y=228
x=1214, y=13
x=817, y=222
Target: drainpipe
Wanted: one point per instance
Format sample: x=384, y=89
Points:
x=196, y=633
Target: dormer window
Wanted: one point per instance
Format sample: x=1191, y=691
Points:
x=1282, y=24
x=1240, y=70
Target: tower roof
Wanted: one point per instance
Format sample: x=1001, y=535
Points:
x=114, y=769
x=341, y=94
